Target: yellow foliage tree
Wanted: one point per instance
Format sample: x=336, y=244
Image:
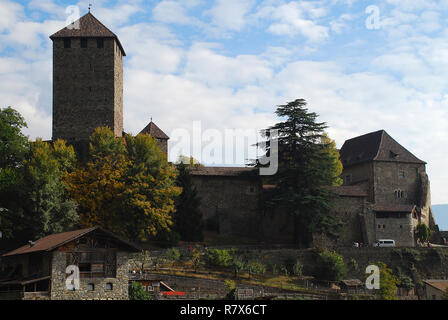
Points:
x=127, y=186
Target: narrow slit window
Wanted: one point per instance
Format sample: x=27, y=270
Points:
x=83, y=42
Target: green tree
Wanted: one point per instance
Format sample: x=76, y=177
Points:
x=127, y=186
x=331, y=266
x=388, y=283
x=422, y=232
x=137, y=292
x=307, y=162
x=41, y=205
x=188, y=220
x=14, y=147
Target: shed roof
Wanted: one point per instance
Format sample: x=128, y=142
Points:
x=352, y=282
x=348, y=191
x=441, y=285
x=375, y=146
x=393, y=207
x=89, y=27
x=51, y=242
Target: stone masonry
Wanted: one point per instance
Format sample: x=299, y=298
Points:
x=119, y=283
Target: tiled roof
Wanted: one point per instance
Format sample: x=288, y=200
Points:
x=224, y=171
x=51, y=242
x=348, y=191
x=375, y=146
x=393, y=207
x=442, y=285
x=154, y=131
x=89, y=27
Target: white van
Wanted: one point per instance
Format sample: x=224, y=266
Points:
x=384, y=243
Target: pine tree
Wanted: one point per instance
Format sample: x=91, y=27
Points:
x=308, y=161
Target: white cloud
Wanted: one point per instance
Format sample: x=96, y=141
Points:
x=230, y=14
x=206, y=66
x=10, y=13
x=172, y=12
x=295, y=18
x=151, y=48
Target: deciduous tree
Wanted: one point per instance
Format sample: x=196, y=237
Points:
x=127, y=186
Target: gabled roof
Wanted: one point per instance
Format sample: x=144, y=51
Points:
x=51, y=242
x=89, y=27
x=375, y=146
x=154, y=131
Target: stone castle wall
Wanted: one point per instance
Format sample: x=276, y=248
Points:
x=231, y=201
x=387, y=181
x=120, y=282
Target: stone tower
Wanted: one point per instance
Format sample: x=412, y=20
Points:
x=87, y=80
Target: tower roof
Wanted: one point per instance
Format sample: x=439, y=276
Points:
x=89, y=27
x=154, y=131
x=375, y=146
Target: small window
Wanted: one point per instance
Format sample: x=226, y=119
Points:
x=252, y=189
x=67, y=43
x=150, y=288
x=379, y=226
x=83, y=42
x=401, y=174
x=90, y=287
x=384, y=226
x=348, y=179
x=401, y=227
x=109, y=286
x=100, y=43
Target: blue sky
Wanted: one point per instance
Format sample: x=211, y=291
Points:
x=362, y=65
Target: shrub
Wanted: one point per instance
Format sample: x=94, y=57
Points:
x=196, y=259
x=297, y=268
x=218, y=257
x=411, y=255
x=172, y=254
x=354, y=264
x=137, y=292
x=231, y=285
x=284, y=270
x=331, y=266
x=255, y=267
x=406, y=282
x=238, y=264
x=275, y=269
x=422, y=232
x=388, y=283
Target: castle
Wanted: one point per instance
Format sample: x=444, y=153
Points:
x=385, y=192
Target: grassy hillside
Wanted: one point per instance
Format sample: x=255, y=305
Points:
x=441, y=215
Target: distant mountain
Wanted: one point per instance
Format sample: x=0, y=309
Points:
x=441, y=215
